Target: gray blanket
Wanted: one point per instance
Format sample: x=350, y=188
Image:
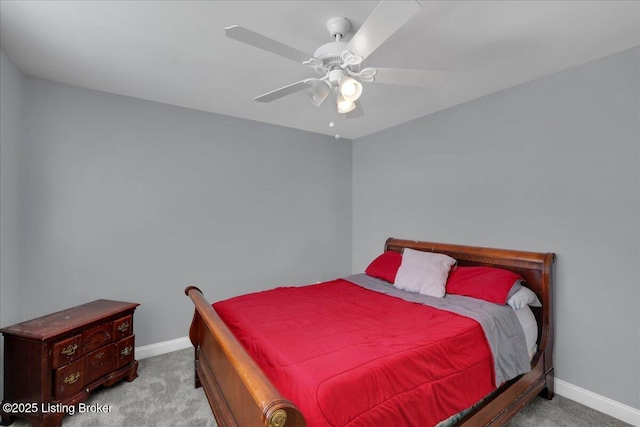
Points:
x=499, y=323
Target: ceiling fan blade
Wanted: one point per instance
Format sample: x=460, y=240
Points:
x=284, y=91
x=385, y=20
x=252, y=38
x=356, y=112
x=405, y=77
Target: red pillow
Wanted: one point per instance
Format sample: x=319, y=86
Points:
x=487, y=283
x=385, y=266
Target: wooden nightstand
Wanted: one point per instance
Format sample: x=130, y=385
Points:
x=55, y=361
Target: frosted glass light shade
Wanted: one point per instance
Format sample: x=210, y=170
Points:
x=318, y=93
x=350, y=88
x=344, y=106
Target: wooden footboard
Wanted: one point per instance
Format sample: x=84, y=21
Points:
x=238, y=391
x=240, y=394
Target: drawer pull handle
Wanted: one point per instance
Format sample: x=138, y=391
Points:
x=126, y=351
x=70, y=349
x=72, y=378
x=99, y=355
x=124, y=326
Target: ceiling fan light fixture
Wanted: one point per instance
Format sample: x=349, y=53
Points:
x=318, y=93
x=339, y=62
x=344, y=106
x=350, y=88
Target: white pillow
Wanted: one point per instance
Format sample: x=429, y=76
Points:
x=530, y=327
x=523, y=298
x=423, y=272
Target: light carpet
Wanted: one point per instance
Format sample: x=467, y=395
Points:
x=163, y=395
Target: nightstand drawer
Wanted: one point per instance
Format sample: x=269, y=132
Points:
x=66, y=351
x=99, y=363
x=69, y=379
x=124, y=352
x=97, y=337
x=122, y=327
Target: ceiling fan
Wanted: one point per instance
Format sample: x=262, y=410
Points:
x=339, y=63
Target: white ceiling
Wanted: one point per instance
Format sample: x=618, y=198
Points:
x=175, y=52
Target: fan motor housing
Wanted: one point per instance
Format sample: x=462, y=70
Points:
x=330, y=53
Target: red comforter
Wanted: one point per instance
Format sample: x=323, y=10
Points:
x=347, y=356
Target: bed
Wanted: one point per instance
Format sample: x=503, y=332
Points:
x=241, y=394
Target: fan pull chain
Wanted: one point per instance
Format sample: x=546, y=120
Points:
x=333, y=113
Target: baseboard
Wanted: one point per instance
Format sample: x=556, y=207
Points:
x=599, y=403
x=162, y=347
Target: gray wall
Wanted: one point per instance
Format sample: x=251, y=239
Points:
x=551, y=165
x=10, y=195
x=133, y=200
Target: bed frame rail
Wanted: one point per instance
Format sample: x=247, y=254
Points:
x=238, y=391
